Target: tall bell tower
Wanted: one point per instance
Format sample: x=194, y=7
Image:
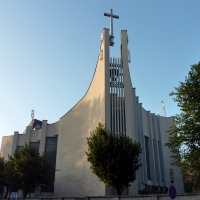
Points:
x=120, y=95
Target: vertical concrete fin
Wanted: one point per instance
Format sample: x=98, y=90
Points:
x=27, y=135
x=127, y=87
x=15, y=140
x=106, y=64
x=128, y=95
x=43, y=137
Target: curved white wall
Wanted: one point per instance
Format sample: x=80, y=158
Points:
x=75, y=178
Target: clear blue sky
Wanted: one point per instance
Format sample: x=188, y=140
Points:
x=49, y=50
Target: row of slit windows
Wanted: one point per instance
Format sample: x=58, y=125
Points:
x=50, y=159
x=117, y=102
x=117, y=115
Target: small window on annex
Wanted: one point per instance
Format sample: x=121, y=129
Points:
x=20, y=147
x=37, y=127
x=36, y=145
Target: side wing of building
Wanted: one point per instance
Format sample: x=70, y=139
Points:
x=151, y=131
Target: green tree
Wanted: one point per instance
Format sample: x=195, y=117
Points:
x=2, y=176
x=184, y=140
x=11, y=181
x=114, y=158
x=29, y=169
x=190, y=179
x=8, y=176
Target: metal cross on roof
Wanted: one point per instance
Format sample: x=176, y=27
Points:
x=32, y=114
x=111, y=15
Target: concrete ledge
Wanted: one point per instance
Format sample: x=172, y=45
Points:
x=195, y=196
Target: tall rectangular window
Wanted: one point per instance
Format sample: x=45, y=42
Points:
x=161, y=162
x=36, y=145
x=156, y=160
x=147, y=158
x=50, y=155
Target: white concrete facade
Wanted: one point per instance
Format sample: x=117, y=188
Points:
x=110, y=99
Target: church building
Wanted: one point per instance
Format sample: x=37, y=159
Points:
x=110, y=99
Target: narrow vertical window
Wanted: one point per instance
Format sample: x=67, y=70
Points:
x=36, y=145
x=147, y=158
x=50, y=156
x=156, y=160
x=161, y=163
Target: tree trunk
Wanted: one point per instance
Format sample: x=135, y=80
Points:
x=119, y=191
x=7, y=189
x=24, y=194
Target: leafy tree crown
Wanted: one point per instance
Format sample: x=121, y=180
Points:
x=114, y=158
x=184, y=140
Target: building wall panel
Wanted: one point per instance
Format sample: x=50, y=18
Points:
x=6, y=146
